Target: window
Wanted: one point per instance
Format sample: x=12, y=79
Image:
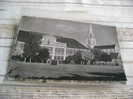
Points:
x=59, y=51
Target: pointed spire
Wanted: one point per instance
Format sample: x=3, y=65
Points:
x=90, y=29
x=91, y=39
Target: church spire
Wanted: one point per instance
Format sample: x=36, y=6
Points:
x=91, y=38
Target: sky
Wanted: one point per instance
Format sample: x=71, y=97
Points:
x=105, y=35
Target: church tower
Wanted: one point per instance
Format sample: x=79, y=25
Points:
x=91, y=40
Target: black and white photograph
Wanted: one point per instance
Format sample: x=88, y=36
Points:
x=57, y=49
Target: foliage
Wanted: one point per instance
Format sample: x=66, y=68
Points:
x=101, y=56
x=43, y=54
x=105, y=57
x=68, y=59
x=77, y=57
x=97, y=53
x=31, y=46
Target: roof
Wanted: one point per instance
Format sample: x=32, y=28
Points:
x=71, y=43
x=105, y=46
x=23, y=36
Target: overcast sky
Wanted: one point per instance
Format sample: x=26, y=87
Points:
x=105, y=35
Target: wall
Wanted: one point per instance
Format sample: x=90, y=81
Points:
x=108, y=12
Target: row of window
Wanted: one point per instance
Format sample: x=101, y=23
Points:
x=60, y=51
x=108, y=50
x=60, y=58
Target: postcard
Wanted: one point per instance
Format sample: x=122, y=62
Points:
x=55, y=49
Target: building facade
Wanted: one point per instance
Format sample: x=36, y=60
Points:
x=57, y=50
x=60, y=47
x=107, y=48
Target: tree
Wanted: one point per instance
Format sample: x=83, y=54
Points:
x=96, y=55
x=77, y=57
x=86, y=57
x=69, y=59
x=32, y=45
x=101, y=56
x=43, y=54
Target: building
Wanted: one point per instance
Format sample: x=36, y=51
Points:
x=107, y=48
x=91, y=40
x=57, y=50
x=61, y=47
